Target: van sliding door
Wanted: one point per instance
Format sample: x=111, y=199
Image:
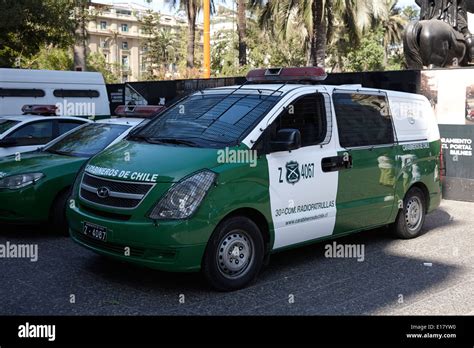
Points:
x=366, y=187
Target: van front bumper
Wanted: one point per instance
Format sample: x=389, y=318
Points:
x=174, y=246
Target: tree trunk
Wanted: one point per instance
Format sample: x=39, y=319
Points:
x=80, y=45
x=319, y=34
x=242, y=28
x=191, y=11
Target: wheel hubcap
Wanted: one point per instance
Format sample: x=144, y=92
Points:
x=414, y=213
x=234, y=256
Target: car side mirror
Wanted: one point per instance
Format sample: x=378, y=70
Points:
x=286, y=140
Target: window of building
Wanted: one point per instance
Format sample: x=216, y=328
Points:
x=124, y=12
x=124, y=28
x=104, y=43
x=103, y=25
x=125, y=45
x=306, y=114
x=363, y=119
x=21, y=92
x=125, y=62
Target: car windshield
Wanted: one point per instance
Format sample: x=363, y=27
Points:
x=210, y=119
x=7, y=124
x=87, y=140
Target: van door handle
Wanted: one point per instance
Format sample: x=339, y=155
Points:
x=334, y=164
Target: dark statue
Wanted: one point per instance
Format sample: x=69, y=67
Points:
x=441, y=38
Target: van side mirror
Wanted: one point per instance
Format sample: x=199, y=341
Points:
x=286, y=140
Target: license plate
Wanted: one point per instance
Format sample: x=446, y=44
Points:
x=95, y=231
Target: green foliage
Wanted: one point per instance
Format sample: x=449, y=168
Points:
x=54, y=58
x=50, y=58
x=28, y=25
x=369, y=55
x=96, y=62
x=411, y=13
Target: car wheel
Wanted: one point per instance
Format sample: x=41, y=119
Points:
x=234, y=254
x=58, y=213
x=411, y=217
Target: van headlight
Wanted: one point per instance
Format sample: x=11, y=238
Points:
x=183, y=199
x=19, y=181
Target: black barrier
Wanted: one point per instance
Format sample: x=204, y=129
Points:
x=162, y=92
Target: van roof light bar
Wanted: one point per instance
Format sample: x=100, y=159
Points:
x=141, y=111
x=40, y=110
x=308, y=74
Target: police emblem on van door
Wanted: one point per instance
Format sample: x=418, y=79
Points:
x=292, y=172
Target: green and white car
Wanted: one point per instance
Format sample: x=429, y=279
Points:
x=228, y=176
x=34, y=187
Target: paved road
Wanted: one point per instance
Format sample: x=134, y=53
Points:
x=393, y=278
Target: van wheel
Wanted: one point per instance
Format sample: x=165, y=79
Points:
x=410, y=219
x=234, y=254
x=58, y=213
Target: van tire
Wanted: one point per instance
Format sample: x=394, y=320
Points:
x=235, y=239
x=411, y=217
x=58, y=213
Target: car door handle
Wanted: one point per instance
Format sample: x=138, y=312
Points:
x=336, y=163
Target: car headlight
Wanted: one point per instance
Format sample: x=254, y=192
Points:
x=183, y=199
x=20, y=180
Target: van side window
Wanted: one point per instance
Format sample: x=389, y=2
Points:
x=21, y=92
x=363, y=119
x=76, y=93
x=307, y=114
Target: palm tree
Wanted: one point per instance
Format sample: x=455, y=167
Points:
x=242, y=28
x=317, y=18
x=393, y=22
x=165, y=42
x=192, y=8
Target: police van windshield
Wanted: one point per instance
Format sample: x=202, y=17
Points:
x=87, y=140
x=210, y=119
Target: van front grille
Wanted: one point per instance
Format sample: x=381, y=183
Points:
x=113, y=193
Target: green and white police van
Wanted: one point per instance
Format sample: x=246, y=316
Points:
x=228, y=176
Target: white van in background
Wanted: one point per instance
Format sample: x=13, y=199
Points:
x=74, y=93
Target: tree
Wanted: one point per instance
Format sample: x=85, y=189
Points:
x=50, y=58
x=393, y=24
x=411, y=13
x=26, y=26
x=191, y=7
x=317, y=18
x=96, y=62
x=81, y=19
x=242, y=28
x=368, y=56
